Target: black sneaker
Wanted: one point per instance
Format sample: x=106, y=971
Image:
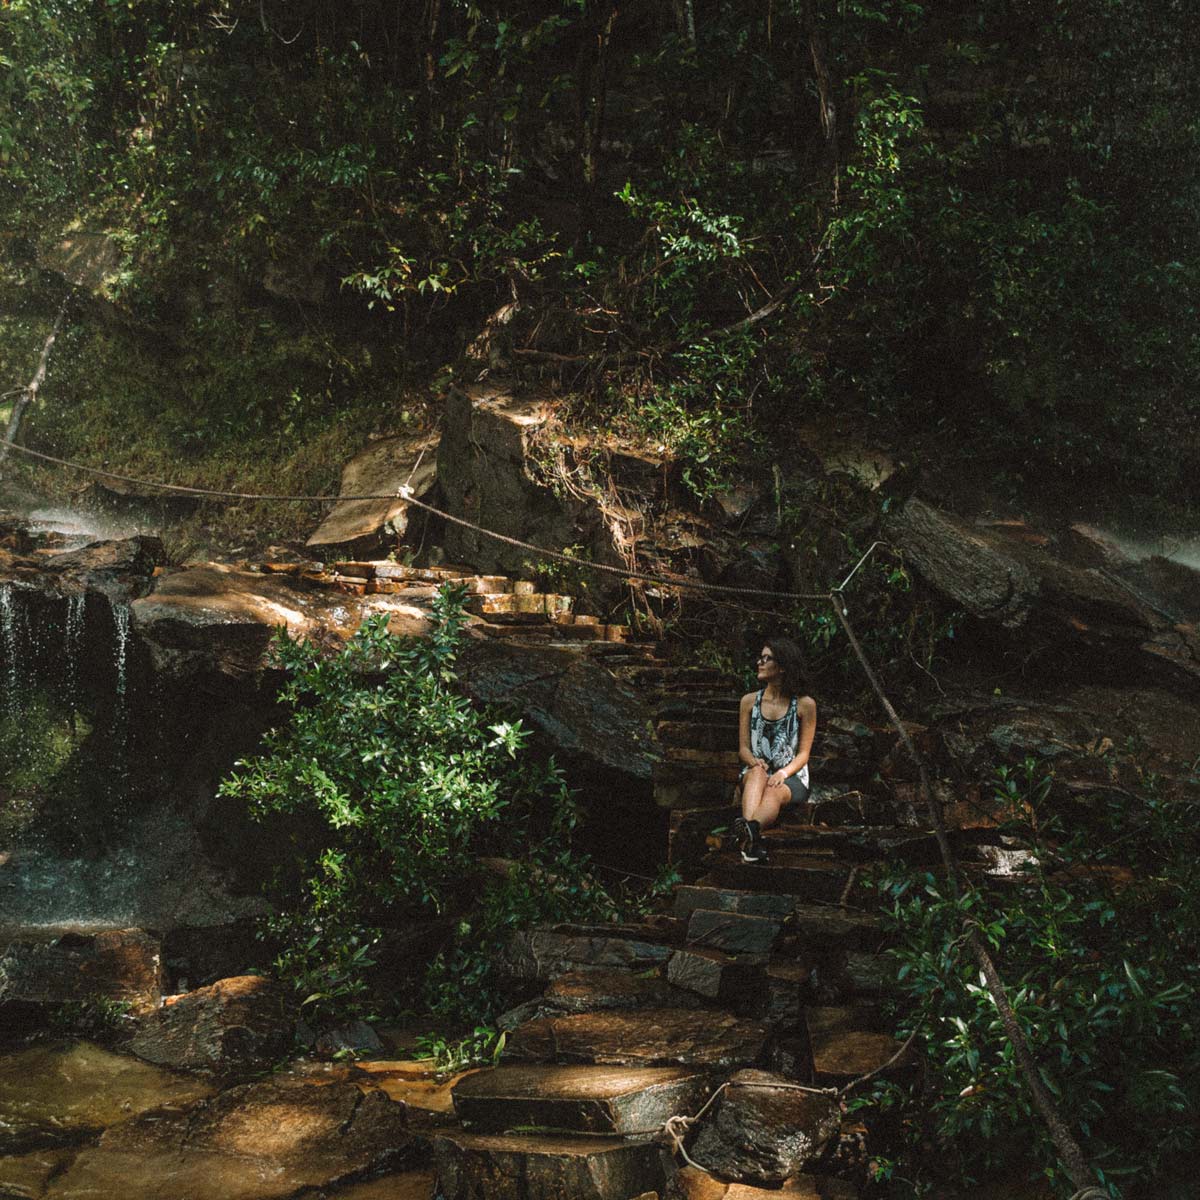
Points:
x=758, y=854
x=752, y=848
x=743, y=836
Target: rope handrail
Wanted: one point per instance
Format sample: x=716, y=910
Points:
x=405, y=493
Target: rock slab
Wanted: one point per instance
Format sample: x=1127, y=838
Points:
x=262, y=1141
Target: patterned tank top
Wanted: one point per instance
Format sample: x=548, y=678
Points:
x=775, y=742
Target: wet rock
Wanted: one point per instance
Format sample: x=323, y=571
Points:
x=215, y=620
x=254, y=1142
x=60, y=1094
x=1026, y=589
x=24, y=1176
x=355, y=1038
x=236, y=1024
x=585, y=1099
x=649, y=1037
x=426, y=1094
x=122, y=570
x=756, y=904
x=845, y=1045
x=541, y=1167
x=764, y=1129
x=735, y=933
x=820, y=927
x=365, y=528
x=80, y=966
x=416, y=1184
x=966, y=565
x=715, y=975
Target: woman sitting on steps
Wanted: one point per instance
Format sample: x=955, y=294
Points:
x=776, y=726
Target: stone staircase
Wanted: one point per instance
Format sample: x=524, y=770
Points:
x=756, y=977
x=500, y=606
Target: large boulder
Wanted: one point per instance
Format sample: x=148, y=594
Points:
x=364, y=528
x=237, y=1024
x=1006, y=576
x=765, y=1129
x=487, y=469
x=587, y=717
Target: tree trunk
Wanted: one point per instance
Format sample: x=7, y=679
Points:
x=28, y=394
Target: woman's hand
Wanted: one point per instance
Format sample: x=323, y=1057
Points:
x=779, y=779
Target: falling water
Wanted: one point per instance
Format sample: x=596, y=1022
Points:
x=73, y=643
x=9, y=641
x=121, y=620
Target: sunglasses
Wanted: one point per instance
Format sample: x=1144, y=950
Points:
x=765, y=658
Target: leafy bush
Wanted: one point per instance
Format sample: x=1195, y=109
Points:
x=1100, y=951
x=407, y=803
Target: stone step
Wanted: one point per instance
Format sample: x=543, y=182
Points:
x=698, y=734
x=846, y=1043
x=605, y=990
x=709, y=709
x=726, y=978
x=543, y=954
x=693, y=786
x=790, y=872
x=755, y=904
x=537, y=1167
x=822, y=926
x=860, y=844
x=735, y=933
x=648, y=1038
x=503, y=607
x=583, y=1099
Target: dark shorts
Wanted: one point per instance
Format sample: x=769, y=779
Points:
x=798, y=789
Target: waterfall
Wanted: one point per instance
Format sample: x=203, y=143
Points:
x=10, y=644
x=73, y=643
x=121, y=620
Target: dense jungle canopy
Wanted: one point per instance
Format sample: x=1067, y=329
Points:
x=971, y=225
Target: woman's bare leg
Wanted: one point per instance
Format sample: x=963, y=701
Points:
x=754, y=783
x=770, y=802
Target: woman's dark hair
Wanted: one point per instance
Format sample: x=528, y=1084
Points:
x=791, y=665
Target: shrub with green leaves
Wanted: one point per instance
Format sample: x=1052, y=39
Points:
x=406, y=802
x=1099, y=949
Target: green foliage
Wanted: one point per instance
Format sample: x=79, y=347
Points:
x=954, y=215
x=1099, y=951
x=481, y=1047
x=99, y=1018
x=396, y=788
